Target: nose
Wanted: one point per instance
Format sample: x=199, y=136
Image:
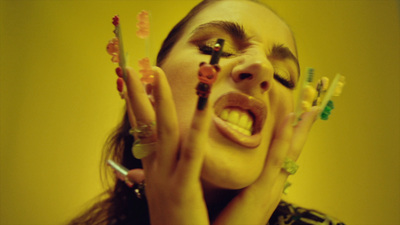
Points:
x=253, y=72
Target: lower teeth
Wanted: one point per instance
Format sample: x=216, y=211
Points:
x=239, y=129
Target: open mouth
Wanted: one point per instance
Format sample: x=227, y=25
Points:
x=240, y=118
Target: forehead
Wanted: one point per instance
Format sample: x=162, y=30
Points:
x=258, y=21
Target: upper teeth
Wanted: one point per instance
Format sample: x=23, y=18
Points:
x=238, y=119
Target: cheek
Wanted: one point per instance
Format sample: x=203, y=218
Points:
x=182, y=78
x=281, y=102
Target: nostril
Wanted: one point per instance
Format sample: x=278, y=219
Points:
x=264, y=85
x=244, y=76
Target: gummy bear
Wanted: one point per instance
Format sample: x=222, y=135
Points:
x=143, y=24
x=339, y=86
x=113, y=49
x=309, y=94
x=146, y=71
x=327, y=111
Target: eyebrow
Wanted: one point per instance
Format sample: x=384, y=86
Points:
x=234, y=29
x=237, y=31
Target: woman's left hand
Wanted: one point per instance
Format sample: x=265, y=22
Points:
x=256, y=203
x=172, y=172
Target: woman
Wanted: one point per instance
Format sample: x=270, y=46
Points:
x=222, y=164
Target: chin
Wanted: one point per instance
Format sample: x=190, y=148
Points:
x=228, y=165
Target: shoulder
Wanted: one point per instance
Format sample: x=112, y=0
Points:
x=287, y=213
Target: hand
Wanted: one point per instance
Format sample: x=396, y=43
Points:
x=172, y=172
x=256, y=203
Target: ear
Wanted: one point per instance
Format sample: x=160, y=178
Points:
x=202, y=63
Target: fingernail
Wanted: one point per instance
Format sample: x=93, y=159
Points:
x=120, y=84
x=128, y=182
x=119, y=72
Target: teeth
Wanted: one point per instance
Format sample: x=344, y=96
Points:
x=238, y=119
x=239, y=129
x=234, y=117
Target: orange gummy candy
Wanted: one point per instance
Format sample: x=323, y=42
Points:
x=146, y=71
x=113, y=49
x=143, y=24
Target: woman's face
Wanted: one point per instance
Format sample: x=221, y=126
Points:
x=253, y=91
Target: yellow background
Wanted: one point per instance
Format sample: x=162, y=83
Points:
x=59, y=102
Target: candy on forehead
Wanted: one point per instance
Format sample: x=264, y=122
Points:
x=208, y=73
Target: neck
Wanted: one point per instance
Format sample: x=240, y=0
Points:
x=217, y=199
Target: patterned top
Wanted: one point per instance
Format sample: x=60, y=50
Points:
x=287, y=213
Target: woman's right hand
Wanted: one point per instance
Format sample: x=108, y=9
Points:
x=172, y=172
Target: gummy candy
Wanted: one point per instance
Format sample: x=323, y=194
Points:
x=113, y=49
x=339, y=87
x=327, y=111
x=146, y=71
x=143, y=24
x=115, y=20
x=309, y=94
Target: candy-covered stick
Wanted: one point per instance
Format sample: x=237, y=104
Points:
x=208, y=73
x=334, y=89
x=121, y=54
x=143, y=24
x=143, y=32
x=299, y=107
x=321, y=88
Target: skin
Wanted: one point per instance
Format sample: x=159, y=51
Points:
x=227, y=164
x=193, y=160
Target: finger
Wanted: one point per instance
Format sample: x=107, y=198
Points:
x=167, y=121
x=192, y=151
x=136, y=176
x=301, y=131
x=277, y=152
x=141, y=108
x=121, y=86
x=139, y=101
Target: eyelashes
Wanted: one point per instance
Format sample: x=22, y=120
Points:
x=205, y=49
x=283, y=77
x=287, y=83
x=279, y=75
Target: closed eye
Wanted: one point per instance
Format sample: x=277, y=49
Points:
x=205, y=49
x=287, y=83
x=283, y=76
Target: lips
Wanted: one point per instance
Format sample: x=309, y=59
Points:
x=240, y=118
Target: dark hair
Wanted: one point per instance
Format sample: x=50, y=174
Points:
x=177, y=31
